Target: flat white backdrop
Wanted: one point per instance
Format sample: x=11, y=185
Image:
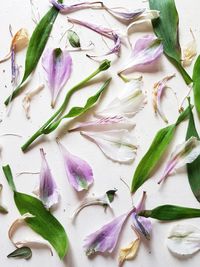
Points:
x=107, y=173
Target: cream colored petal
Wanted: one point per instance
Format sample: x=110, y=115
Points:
x=129, y=252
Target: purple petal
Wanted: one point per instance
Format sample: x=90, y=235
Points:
x=142, y=225
x=79, y=172
x=71, y=8
x=105, y=239
x=48, y=191
x=140, y=205
x=125, y=14
x=106, y=123
x=58, y=67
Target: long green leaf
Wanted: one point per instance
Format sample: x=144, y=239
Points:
x=36, y=46
x=196, y=84
x=170, y=213
x=154, y=154
x=21, y=253
x=43, y=222
x=193, y=169
x=166, y=28
x=77, y=111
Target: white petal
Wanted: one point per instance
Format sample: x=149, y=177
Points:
x=184, y=239
x=117, y=145
x=128, y=103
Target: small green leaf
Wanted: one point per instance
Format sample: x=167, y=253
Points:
x=36, y=46
x=170, y=213
x=155, y=152
x=73, y=38
x=166, y=28
x=193, y=169
x=43, y=222
x=196, y=84
x=21, y=253
x=111, y=195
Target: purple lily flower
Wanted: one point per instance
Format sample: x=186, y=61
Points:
x=58, y=67
x=105, y=239
x=109, y=33
x=48, y=191
x=141, y=224
x=79, y=172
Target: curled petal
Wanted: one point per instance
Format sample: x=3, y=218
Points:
x=128, y=103
x=184, y=239
x=125, y=14
x=117, y=145
x=105, y=239
x=129, y=252
x=142, y=225
x=79, y=172
x=48, y=191
x=146, y=51
x=183, y=154
x=58, y=66
x=189, y=51
x=106, y=123
x=157, y=94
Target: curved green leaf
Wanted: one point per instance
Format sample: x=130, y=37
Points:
x=196, y=84
x=43, y=222
x=166, y=28
x=171, y=212
x=36, y=46
x=154, y=154
x=193, y=169
x=21, y=253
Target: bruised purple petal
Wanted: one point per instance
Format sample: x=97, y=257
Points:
x=145, y=52
x=105, y=239
x=142, y=225
x=58, y=66
x=71, y=8
x=48, y=191
x=79, y=172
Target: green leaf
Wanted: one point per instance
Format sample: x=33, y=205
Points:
x=43, y=222
x=77, y=111
x=166, y=28
x=155, y=152
x=170, y=212
x=21, y=253
x=193, y=169
x=73, y=38
x=196, y=84
x=8, y=174
x=111, y=195
x=36, y=46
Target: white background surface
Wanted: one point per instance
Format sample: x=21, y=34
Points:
x=107, y=173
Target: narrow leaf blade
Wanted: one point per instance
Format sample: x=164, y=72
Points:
x=196, y=84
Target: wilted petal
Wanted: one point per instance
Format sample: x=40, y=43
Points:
x=157, y=94
x=117, y=145
x=105, y=123
x=184, y=239
x=48, y=191
x=125, y=14
x=128, y=103
x=79, y=172
x=184, y=153
x=58, y=66
x=189, y=51
x=129, y=252
x=146, y=51
x=105, y=239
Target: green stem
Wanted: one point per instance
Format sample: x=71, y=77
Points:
x=104, y=65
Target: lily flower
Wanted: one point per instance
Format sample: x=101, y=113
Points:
x=183, y=154
x=48, y=191
x=145, y=52
x=58, y=66
x=79, y=172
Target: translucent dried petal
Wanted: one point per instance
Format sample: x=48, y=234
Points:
x=145, y=52
x=117, y=145
x=128, y=103
x=158, y=90
x=129, y=252
x=184, y=239
x=58, y=66
x=105, y=239
x=184, y=153
x=48, y=191
x=79, y=172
